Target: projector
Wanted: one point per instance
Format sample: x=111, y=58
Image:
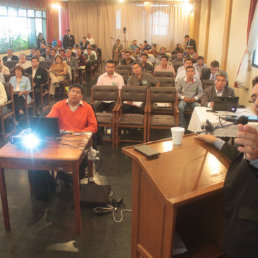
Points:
x=26, y=139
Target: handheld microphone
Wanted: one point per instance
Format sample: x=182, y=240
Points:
x=208, y=127
x=237, y=120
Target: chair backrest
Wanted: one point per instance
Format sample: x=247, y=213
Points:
x=7, y=77
x=164, y=74
x=124, y=67
x=104, y=93
x=134, y=93
x=8, y=89
x=45, y=64
x=163, y=95
x=166, y=82
x=205, y=74
x=177, y=65
x=207, y=83
x=11, y=64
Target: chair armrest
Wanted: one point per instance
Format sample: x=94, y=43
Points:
x=176, y=107
x=116, y=107
x=6, y=103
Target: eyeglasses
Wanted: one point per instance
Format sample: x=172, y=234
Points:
x=253, y=99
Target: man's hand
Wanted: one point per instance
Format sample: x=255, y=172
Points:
x=192, y=99
x=208, y=138
x=186, y=99
x=248, y=137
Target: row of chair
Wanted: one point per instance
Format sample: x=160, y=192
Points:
x=153, y=116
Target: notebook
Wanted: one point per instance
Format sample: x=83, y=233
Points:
x=45, y=126
x=225, y=104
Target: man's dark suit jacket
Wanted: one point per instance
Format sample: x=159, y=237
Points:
x=41, y=75
x=13, y=58
x=68, y=41
x=241, y=206
x=210, y=93
x=84, y=46
x=192, y=43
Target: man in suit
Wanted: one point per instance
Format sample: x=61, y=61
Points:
x=190, y=42
x=220, y=89
x=39, y=76
x=10, y=56
x=84, y=43
x=240, y=188
x=209, y=73
x=68, y=40
x=116, y=50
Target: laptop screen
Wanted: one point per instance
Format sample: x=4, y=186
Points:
x=225, y=104
x=45, y=126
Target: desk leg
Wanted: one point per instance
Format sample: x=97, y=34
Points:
x=4, y=200
x=76, y=199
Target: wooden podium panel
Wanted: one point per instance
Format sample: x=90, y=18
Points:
x=168, y=185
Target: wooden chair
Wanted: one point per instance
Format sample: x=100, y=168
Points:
x=106, y=119
x=7, y=77
x=124, y=67
x=45, y=64
x=132, y=120
x=125, y=74
x=161, y=74
x=44, y=95
x=6, y=111
x=166, y=81
x=177, y=65
x=158, y=119
x=207, y=83
x=31, y=103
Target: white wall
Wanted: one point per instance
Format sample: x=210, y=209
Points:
x=202, y=28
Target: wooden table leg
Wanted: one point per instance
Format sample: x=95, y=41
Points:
x=76, y=199
x=4, y=200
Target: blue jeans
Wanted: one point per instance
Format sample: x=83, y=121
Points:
x=182, y=105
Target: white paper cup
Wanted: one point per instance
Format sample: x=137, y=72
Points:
x=177, y=135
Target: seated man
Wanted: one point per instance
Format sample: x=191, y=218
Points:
x=141, y=79
x=189, y=91
x=40, y=76
x=74, y=114
x=10, y=56
x=209, y=73
x=117, y=48
x=134, y=45
x=179, y=58
x=181, y=72
x=137, y=54
x=23, y=62
x=146, y=45
x=4, y=69
x=109, y=78
x=164, y=66
x=199, y=65
x=52, y=56
x=84, y=43
x=145, y=64
x=38, y=55
x=151, y=58
x=220, y=89
x=127, y=59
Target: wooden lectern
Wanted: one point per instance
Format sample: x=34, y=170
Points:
x=180, y=191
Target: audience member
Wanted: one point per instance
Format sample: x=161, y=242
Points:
x=178, y=49
x=220, y=89
x=3, y=96
x=57, y=72
x=164, y=66
x=181, y=72
x=90, y=39
x=4, y=69
x=23, y=62
x=146, y=45
x=47, y=54
x=214, y=67
x=21, y=86
x=84, y=43
x=134, y=45
x=141, y=47
x=199, y=65
x=194, y=57
x=68, y=40
x=154, y=50
x=189, y=90
x=190, y=42
x=162, y=52
x=42, y=49
x=70, y=60
x=141, y=79
x=109, y=78
x=62, y=53
x=38, y=55
x=179, y=58
x=116, y=49
x=127, y=59
x=10, y=56
x=39, y=76
x=151, y=58
x=145, y=64
x=40, y=39
x=53, y=54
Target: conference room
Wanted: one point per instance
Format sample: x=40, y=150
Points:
x=128, y=128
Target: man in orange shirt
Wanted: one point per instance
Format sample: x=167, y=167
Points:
x=74, y=114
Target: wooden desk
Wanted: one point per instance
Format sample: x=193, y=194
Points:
x=64, y=155
x=180, y=177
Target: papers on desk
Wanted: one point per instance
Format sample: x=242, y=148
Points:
x=82, y=67
x=137, y=103
x=162, y=105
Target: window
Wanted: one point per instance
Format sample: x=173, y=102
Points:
x=255, y=57
x=19, y=28
x=118, y=19
x=159, y=23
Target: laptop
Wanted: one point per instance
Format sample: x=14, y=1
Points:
x=225, y=104
x=45, y=126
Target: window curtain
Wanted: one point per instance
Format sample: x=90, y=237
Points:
x=64, y=18
x=252, y=38
x=34, y=4
x=162, y=24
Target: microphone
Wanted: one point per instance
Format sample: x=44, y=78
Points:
x=208, y=127
x=238, y=120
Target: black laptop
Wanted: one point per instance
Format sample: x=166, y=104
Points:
x=45, y=126
x=225, y=104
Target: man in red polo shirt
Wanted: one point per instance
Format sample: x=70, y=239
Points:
x=74, y=114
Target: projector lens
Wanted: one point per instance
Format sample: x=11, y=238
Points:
x=30, y=141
